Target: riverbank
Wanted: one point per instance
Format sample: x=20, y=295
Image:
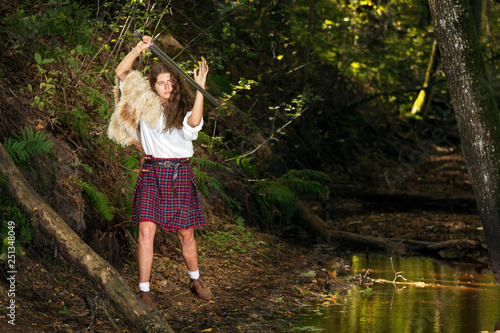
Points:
x=258, y=280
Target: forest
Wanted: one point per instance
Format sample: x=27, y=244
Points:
x=343, y=135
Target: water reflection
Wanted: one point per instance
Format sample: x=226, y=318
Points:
x=451, y=299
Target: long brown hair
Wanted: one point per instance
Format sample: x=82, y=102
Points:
x=178, y=104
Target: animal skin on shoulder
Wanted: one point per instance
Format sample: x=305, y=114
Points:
x=135, y=102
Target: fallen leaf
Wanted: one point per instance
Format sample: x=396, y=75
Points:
x=309, y=274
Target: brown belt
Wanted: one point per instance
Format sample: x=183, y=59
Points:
x=176, y=166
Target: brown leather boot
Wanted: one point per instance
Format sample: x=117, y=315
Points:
x=199, y=289
x=147, y=298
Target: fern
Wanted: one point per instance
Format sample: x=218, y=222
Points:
x=307, y=186
x=285, y=190
x=130, y=162
x=79, y=121
x=29, y=143
x=247, y=166
x=100, y=199
x=85, y=167
x=16, y=150
x=97, y=100
x=205, y=141
x=4, y=183
x=23, y=229
x=305, y=174
x=208, y=164
x=202, y=178
x=277, y=192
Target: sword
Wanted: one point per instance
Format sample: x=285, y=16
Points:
x=156, y=50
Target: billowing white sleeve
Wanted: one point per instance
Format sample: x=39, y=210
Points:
x=189, y=132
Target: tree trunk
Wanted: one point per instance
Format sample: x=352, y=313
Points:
x=423, y=101
x=476, y=112
x=76, y=251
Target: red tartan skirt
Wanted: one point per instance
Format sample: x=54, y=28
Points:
x=154, y=201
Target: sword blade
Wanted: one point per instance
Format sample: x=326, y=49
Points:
x=156, y=50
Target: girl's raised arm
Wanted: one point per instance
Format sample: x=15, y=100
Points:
x=200, y=76
x=126, y=64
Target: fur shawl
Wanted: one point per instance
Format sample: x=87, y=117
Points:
x=136, y=102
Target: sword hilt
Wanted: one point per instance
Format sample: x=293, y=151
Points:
x=138, y=34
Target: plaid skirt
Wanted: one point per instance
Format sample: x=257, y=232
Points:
x=154, y=200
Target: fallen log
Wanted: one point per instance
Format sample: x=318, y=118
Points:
x=315, y=226
x=77, y=251
x=435, y=247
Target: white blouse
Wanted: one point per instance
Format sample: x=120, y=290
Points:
x=177, y=143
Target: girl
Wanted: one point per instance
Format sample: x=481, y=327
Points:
x=154, y=115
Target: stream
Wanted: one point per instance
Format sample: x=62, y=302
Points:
x=437, y=297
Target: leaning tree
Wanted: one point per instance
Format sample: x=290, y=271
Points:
x=475, y=110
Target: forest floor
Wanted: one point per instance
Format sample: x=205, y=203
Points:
x=259, y=280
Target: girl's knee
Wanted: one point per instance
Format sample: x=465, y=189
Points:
x=186, y=237
x=147, y=232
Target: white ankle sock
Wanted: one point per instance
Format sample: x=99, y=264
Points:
x=144, y=286
x=194, y=275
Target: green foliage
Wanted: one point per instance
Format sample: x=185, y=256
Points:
x=245, y=163
x=208, y=142
x=285, y=190
x=98, y=198
x=85, y=167
x=309, y=274
x=28, y=144
x=243, y=84
x=57, y=18
x=233, y=238
x=130, y=162
x=203, y=179
x=96, y=100
x=4, y=183
x=19, y=225
x=211, y=165
x=79, y=120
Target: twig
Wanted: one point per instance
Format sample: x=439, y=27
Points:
x=302, y=66
x=272, y=137
x=91, y=306
x=111, y=320
x=128, y=169
x=397, y=274
x=104, y=303
x=16, y=96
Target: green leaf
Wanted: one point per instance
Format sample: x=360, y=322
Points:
x=309, y=274
x=38, y=58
